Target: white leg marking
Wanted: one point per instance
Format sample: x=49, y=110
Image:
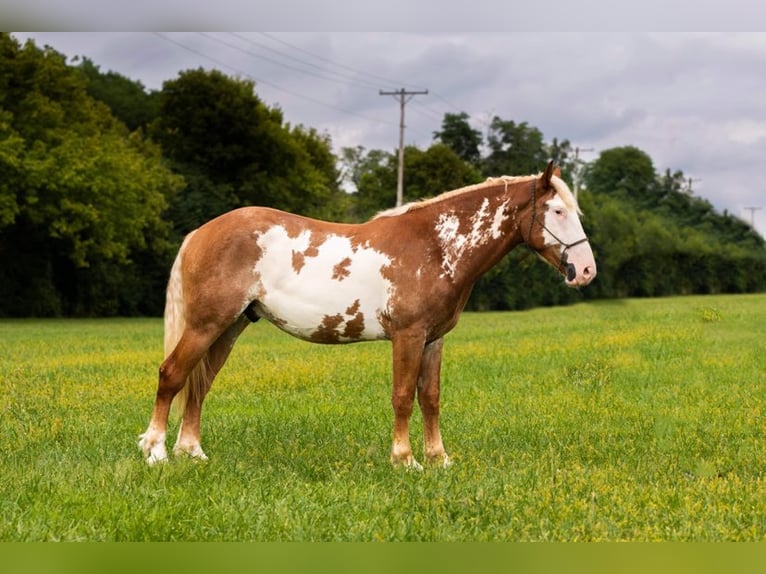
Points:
x=408, y=463
x=412, y=464
x=188, y=446
x=193, y=450
x=152, y=444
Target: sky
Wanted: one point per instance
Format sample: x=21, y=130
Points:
x=694, y=102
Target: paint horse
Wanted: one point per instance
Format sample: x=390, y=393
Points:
x=403, y=276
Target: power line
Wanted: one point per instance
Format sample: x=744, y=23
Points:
x=426, y=111
x=446, y=101
x=346, y=79
x=334, y=63
x=422, y=109
x=404, y=96
x=271, y=84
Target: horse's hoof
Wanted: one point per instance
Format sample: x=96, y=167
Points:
x=154, y=452
x=194, y=452
x=153, y=459
x=408, y=464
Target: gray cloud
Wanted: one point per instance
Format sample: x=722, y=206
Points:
x=693, y=102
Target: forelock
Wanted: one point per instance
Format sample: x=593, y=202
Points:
x=566, y=195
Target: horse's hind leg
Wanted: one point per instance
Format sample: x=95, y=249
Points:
x=174, y=372
x=429, y=388
x=189, y=435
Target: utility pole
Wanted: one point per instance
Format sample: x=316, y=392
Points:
x=689, y=189
x=577, y=162
x=752, y=211
x=403, y=96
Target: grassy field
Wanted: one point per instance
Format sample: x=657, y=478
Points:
x=624, y=420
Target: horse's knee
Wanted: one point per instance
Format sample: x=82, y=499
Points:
x=402, y=403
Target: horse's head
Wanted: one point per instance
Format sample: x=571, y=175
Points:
x=554, y=230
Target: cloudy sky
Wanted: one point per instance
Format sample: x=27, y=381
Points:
x=695, y=102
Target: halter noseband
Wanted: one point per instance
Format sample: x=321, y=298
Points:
x=563, y=261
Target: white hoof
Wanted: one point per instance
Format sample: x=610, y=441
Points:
x=154, y=450
x=153, y=459
x=409, y=464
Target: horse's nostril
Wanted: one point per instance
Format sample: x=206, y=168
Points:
x=571, y=272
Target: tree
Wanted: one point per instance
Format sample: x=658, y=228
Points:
x=372, y=174
x=560, y=153
x=128, y=100
x=652, y=238
x=315, y=178
x=79, y=193
x=627, y=170
x=514, y=149
x=233, y=151
x=458, y=135
x=434, y=171
x=426, y=173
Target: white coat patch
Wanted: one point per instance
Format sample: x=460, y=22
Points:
x=300, y=286
x=455, y=245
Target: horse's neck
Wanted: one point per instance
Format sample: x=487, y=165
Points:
x=475, y=230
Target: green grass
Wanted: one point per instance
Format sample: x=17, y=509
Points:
x=625, y=420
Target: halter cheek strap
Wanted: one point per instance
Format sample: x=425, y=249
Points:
x=563, y=261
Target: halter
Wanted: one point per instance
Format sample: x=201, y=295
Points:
x=563, y=261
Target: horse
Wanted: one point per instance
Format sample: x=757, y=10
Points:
x=403, y=276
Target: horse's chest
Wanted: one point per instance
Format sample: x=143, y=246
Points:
x=321, y=287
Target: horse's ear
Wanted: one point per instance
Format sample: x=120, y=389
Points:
x=549, y=172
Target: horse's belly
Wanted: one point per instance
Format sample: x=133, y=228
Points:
x=330, y=292
x=321, y=320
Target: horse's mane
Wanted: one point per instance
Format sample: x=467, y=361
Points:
x=559, y=185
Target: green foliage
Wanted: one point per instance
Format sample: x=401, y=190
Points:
x=100, y=179
x=79, y=191
x=426, y=173
x=630, y=420
x=521, y=281
x=625, y=171
x=235, y=151
x=373, y=176
x=460, y=137
x=128, y=100
x=652, y=238
x=514, y=149
x=434, y=171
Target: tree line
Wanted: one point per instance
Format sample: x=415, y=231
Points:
x=101, y=178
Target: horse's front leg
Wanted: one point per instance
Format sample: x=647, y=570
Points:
x=407, y=355
x=429, y=388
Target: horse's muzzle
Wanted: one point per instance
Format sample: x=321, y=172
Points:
x=581, y=279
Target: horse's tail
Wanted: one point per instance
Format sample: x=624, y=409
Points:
x=175, y=323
